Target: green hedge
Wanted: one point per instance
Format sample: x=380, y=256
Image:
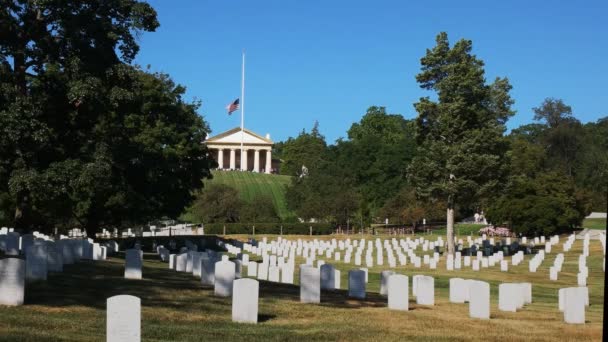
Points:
x=295, y=228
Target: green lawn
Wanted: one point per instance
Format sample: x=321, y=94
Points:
x=250, y=185
x=175, y=307
x=595, y=223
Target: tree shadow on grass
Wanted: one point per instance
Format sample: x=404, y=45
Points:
x=333, y=298
x=265, y=318
x=89, y=283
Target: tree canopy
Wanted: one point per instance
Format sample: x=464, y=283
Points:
x=86, y=138
x=462, y=150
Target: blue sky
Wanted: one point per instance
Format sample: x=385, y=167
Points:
x=329, y=60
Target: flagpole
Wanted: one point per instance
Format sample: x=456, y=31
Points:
x=243, y=108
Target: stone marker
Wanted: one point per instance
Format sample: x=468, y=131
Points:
x=36, y=263
x=310, y=284
x=238, y=268
x=356, y=284
x=224, y=277
x=189, y=261
x=384, y=276
x=527, y=291
x=337, y=279
x=574, y=305
x=54, y=258
x=263, y=271
x=67, y=252
x=172, y=261
x=509, y=297
x=398, y=292
x=12, y=243
x=252, y=269
x=479, y=299
x=133, y=263
x=328, y=277
x=425, y=290
x=274, y=274
x=207, y=270
x=123, y=319
x=245, y=293
x=12, y=281
x=181, y=261
x=459, y=289
x=196, y=264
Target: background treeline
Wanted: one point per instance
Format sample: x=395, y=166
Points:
x=556, y=174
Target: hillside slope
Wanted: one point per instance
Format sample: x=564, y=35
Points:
x=251, y=185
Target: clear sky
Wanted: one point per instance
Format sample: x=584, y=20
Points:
x=329, y=60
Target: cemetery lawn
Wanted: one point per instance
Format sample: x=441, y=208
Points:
x=595, y=223
x=175, y=307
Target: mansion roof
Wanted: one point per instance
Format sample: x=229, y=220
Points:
x=233, y=137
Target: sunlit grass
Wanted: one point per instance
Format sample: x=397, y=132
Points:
x=71, y=306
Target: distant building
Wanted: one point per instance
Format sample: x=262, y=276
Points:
x=256, y=156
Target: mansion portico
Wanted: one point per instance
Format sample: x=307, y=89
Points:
x=257, y=151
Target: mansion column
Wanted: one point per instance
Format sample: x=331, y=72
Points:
x=244, y=159
x=220, y=158
x=268, y=160
x=232, y=159
x=256, y=160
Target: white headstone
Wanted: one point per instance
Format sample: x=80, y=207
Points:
x=509, y=297
x=12, y=281
x=574, y=305
x=459, y=290
x=181, y=261
x=398, y=292
x=479, y=299
x=245, y=293
x=224, y=277
x=252, y=269
x=36, y=263
x=133, y=263
x=328, y=277
x=425, y=290
x=207, y=270
x=356, y=284
x=384, y=276
x=123, y=319
x=310, y=284
x=54, y=257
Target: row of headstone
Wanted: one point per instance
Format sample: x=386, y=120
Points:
x=41, y=255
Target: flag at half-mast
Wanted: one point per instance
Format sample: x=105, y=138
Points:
x=233, y=106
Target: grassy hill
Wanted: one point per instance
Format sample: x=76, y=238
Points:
x=251, y=185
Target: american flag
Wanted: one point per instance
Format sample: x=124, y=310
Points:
x=233, y=106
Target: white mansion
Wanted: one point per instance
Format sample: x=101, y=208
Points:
x=257, y=150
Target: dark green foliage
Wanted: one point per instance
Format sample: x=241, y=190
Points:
x=307, y=149
x=217, y=203
x=461, y=156
x=408, y=208
x=87, y=139
x=261, y=209
x=220, y=203
x=547, y=204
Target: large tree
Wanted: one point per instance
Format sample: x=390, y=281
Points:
x=86, y=138
x=462, y=149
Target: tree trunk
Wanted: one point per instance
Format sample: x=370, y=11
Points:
x=92, y=228
x=21, y=213
x=450, y=227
